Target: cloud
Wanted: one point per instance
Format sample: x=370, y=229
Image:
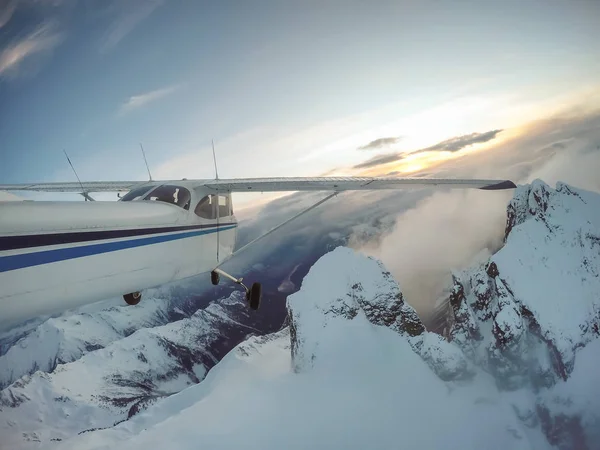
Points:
x=43, y=39
x=141, y=100
x=7, y=9
x=578, y=168
x=442, y=233
x=378, y=143
x=450, y=145
x=127, y=20
x=459, y=142
x=379, y=160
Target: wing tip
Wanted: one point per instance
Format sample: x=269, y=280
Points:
x=506, y=184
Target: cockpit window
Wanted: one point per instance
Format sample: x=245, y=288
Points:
x=175, y=195
x=136, y=193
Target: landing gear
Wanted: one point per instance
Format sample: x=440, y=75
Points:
x=133, y=298
x=253, y=295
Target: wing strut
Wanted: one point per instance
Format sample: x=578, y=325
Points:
x=146, y=162
x=218, y=210
x=83, y=192
x=274, y=229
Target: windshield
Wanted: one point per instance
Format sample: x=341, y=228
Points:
x=175, y=195
x=136, y=193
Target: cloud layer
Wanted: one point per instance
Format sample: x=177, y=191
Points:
x=379, y=160
x=449, y=145
x=378, y=143
x=459, y=142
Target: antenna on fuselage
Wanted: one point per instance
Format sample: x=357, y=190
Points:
x=217, y=205
x=85, y=194
x=146, y=161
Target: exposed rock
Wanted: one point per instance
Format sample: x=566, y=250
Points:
x=445, y=359
x=564, y=431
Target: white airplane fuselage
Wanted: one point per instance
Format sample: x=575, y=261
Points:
x=59, y=255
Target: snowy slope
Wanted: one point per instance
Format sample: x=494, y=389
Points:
x=346, y=375
x=115, y=382
x=66, y=338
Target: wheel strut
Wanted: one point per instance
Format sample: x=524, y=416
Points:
x=253, y=294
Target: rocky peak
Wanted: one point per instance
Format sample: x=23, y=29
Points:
x=529, y=200
x=345, y=288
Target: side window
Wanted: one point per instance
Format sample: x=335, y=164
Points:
x=207, y=207
x=175, y=195
x=204, y=208
x=223, y=206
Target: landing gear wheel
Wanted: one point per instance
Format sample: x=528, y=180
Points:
x=133, y=298
x=254, y=295
x=215, y=278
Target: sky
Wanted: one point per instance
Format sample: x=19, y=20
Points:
x=283, y=88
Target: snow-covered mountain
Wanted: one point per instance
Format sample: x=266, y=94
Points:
x=102, y=373
x=66, y=338
x=355, y=367
x=530, y=315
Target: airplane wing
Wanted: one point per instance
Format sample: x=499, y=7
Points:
x=88, y=186
x=349, y=184
x=273, y=184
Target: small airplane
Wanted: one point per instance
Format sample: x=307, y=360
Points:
x=56, y=255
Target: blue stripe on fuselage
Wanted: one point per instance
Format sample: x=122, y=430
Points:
x=14, y=262
x=76, y=237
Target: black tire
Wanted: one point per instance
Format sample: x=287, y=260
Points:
x=215, y=278
x=133, y=298
x=254, y=296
